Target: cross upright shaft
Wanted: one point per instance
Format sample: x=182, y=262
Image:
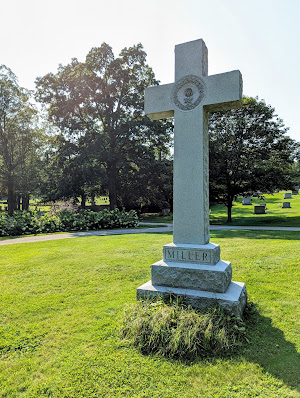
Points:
x=189, y=100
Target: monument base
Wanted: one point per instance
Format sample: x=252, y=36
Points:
x=232, y=301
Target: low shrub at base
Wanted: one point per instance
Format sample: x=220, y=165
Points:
x=26, y=223
x=180, y=332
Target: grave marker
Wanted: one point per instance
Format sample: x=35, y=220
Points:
x=259, y=209
x=247, y=200
x=191, y=266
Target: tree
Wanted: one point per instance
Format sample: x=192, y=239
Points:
x=99, y=105
x=249, y=151
x=68, y=172
x=147, y=183
x=19, y=137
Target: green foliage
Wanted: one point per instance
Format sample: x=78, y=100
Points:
x=20, y=140
x=16, y=341
x=249, y=151
x=25, y=223
x=104, y=136
x=177, y=331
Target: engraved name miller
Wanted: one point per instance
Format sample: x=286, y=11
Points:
x=192, y=256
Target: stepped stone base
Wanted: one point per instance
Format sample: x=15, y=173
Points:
x=232, y=301
x=214, y=278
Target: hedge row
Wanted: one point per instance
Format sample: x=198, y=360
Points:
x=25, y=223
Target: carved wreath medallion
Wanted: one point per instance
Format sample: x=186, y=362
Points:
x=188, y=92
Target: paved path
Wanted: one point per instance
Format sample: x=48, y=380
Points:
x=165, y=228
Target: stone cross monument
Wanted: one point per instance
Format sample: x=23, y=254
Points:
x=191, y=266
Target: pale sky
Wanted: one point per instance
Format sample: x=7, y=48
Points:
x=261, y=38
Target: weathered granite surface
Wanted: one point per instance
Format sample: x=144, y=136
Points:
x=215, y=278
x=233, y=301
x=191, y=266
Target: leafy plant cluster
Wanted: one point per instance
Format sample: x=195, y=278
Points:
x=180, y=332
x=22, y=342
x=25, y=223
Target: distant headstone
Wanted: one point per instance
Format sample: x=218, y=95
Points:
x=263, y=204
x=288, y=195
x=258, y=209
x=247, y=200
x=165, y=212
x=297, y=188
x=286, y=205
x=191, y=265
x=295, y=192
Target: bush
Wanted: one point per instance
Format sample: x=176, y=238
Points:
x=65, y=220
x=48, y=223
x=22, y=223
x=180, y=332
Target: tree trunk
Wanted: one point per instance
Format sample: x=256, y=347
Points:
x=10, y=196
x=25, y=202
x=112, y=186
x=229, y=198
x=18, y=202
x=83, y=200
x=229, y=207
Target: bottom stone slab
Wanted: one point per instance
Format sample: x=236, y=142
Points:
x=233, y=300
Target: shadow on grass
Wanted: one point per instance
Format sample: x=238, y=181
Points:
x=254, y=234
x=266, y=220
x=269, y=349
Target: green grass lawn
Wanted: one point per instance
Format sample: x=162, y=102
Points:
x=275, y=214
x=61, y=307
x=243, y=215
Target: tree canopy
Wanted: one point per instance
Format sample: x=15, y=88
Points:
x=19, y=139
x=98, y=104
x=249, y=151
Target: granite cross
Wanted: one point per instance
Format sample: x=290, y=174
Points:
x=189, y=100
x=191, y=267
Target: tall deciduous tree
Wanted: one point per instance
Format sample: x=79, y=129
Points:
x=68, y=172
x=249, y=151
x=18, y=137
x=99, y=104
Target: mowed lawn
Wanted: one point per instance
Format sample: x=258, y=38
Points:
x=61, y=304
x=275, y=214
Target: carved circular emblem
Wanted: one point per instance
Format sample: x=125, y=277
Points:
x=188, y=92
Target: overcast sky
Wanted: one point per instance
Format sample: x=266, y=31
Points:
x=261, y=38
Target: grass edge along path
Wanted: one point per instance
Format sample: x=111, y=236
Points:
x=62, y=303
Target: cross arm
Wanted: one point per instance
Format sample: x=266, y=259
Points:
x=158, y=104
x=225, y=91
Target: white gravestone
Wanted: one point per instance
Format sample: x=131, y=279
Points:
x=191, y=266
x=247, y=200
